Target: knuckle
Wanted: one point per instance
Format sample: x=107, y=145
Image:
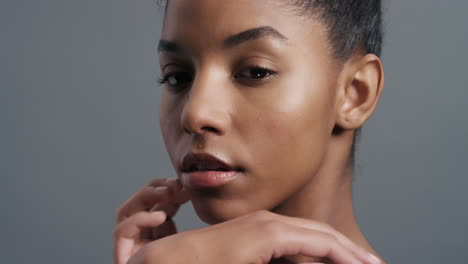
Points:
x=328, y=239
x=117, y=230
x=332, y=240
x=325, y=226
x=273, y=229
x=139, y=215
x=262, y=215
x=156, y=182
x=120, y=213
x=330, y=230
x=147, y=197
x=118, y=210
x=335, y=249
x=134, y=219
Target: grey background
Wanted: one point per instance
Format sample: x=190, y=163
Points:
x=79, y=131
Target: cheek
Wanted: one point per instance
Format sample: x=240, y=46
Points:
x=290, y=139
x=169, y=123
x=288, y=135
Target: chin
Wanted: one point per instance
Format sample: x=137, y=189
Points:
x=213, y=211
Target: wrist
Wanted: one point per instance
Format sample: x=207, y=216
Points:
x=170, y=250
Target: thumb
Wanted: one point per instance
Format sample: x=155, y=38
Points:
x=133, y=226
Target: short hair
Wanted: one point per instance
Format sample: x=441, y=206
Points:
x=351, y=24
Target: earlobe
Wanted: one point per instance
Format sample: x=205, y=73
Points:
x=361, y=91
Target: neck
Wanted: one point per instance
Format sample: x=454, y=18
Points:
x=327, y=197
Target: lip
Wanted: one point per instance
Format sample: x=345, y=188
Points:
x=203, y=170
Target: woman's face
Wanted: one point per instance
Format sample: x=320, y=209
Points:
x=247, y=109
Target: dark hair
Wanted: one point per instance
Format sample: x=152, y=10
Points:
x=352, y=24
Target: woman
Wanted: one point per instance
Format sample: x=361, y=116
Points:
x=260, y=106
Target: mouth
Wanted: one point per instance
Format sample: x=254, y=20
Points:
x=204, y=170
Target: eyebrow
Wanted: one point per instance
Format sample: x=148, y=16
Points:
x=169, y=46
x=252, y=34
x=231, y=41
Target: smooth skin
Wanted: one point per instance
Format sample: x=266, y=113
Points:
x=277, y=104
x=265, y=235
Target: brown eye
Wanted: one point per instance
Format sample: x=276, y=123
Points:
x=256, y=73
x=177, y=81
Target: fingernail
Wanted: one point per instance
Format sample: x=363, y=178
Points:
x=161, y=189
x=373, y=259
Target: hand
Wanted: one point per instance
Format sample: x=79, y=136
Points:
x=255, y=238
x=147, y=216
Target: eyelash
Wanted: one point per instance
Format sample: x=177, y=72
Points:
x=265, y=72
x=165, y=79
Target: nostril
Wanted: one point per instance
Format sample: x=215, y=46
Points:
x=203, y=129
x=197, y=120
x=210, y=129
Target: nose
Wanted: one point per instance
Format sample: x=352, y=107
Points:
x=207, y=107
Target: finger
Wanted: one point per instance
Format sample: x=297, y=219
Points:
x=143, y=200
x=358, y=251
x=170, y=182
x=165, y=229
x=132, y=226
x=169, y=208
x=179, y=195
x=156, y=191
x=127, y=235
x=168, y=227
x=311, y=243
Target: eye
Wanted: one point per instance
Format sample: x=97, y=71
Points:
x=177, y=81
x=254, y=74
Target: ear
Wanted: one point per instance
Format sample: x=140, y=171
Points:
x=360, y=91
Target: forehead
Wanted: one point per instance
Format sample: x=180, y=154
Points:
x=212, y=21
